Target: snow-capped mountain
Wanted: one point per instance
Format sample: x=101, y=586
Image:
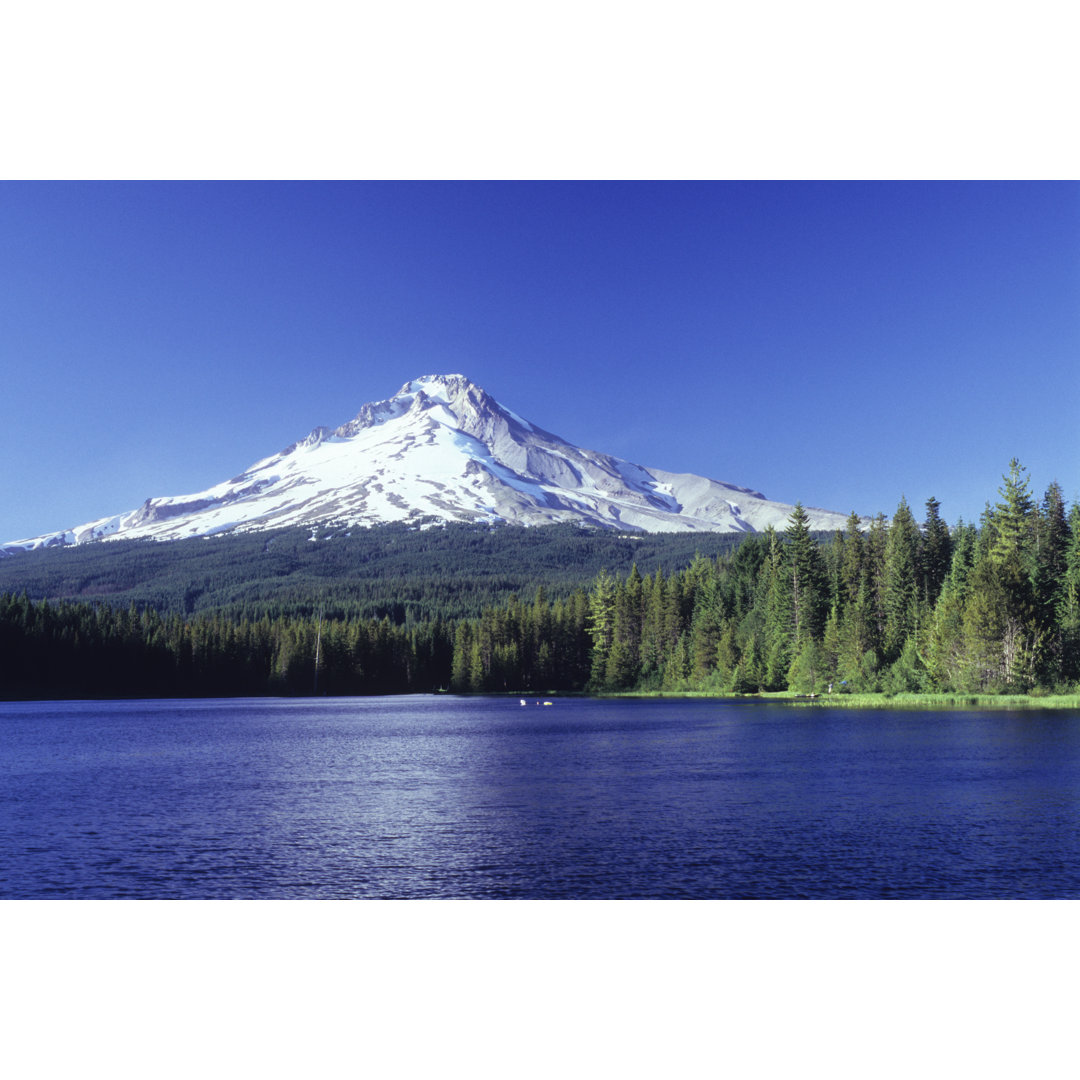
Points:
x=444, y=449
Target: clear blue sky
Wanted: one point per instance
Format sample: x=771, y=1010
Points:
x=842, y=344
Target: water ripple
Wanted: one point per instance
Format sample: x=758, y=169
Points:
x=435, y=797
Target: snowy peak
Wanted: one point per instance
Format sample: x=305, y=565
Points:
x=451, y=400
x=443, y=449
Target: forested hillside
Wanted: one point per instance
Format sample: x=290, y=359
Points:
x=900, y=606
x=403, y=573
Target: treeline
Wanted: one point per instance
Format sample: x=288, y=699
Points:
x=81, y=650
x=396, y=571
x=899, y=606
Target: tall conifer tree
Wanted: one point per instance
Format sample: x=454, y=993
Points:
x=808, y=578
x=777, y=629
x=901, y=597
x=934, y=554
x=851, y=567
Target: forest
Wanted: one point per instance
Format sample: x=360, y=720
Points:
x=899, y=605
x=402, y=572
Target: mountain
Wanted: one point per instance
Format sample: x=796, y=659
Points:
x=442, y=449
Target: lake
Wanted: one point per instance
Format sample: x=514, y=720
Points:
x=438, y=796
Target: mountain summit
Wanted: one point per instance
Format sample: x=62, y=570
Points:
x=443, y=449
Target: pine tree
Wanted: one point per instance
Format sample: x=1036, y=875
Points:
x=706, y=627
x=809, y=670
x=856, y=634
x=623, y=667
x=727, y=657
x=945, y=644
x=833, y=554
x=935, y=553
x=1014, y=520
x=749, y=677
x=851, y=567
x=601, y=626
x=677, y=669
x=674, y=613
x=809, y=582
x=778, y=618
x=652, y=629
x=908, y=674
x=831, y=642
x=1011, y=560
x=984, y=625
x=901, y=594
x=477, y=668
x=1048, y=583
x=874, y=580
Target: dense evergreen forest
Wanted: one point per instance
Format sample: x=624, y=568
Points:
x=898, y=606
x=400, y=572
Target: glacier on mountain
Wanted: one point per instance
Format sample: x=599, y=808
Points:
x=443, y=449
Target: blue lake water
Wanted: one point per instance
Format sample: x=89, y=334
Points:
x=439, y=796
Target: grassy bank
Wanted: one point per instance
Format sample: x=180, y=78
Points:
x=946, y=701
x=887, y=701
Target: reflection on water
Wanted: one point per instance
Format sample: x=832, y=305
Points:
x=456, y=797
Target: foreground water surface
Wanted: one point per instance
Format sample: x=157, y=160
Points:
x=587, y=799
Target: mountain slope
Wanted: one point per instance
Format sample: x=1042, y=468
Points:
x=443, y=449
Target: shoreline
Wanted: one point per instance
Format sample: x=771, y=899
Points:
x=1004, y=702
x=879, y=700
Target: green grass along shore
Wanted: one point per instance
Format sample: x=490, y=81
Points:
x=881, y=701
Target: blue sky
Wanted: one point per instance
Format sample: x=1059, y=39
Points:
x=839, y=343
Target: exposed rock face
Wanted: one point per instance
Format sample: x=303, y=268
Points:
x=444, y=449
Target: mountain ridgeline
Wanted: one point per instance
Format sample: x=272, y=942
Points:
x=899, y=606
x=440, y=450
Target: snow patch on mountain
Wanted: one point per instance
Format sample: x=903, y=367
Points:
x=442, y=448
